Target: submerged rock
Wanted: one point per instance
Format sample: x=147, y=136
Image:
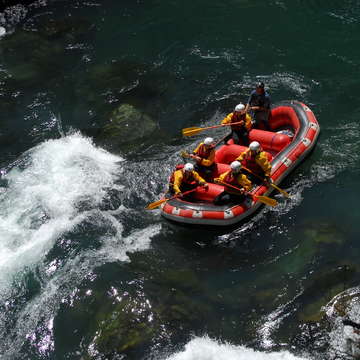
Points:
x=129, y=127
x=321, y=288
x=125, y=328
x=323, y=232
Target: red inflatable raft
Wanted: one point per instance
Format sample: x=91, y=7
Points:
x=295, y=131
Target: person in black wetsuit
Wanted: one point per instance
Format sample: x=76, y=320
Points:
x=259, y=106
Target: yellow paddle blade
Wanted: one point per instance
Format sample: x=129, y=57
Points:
x=155, y=204
x=266, y=200
x=184, y=154
x=280, y=190
x=191, y=131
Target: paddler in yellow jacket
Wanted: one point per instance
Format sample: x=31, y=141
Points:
x=185, y=179
x=257, y=162
x=204, y=155
x=239, y=132
x=236, y=178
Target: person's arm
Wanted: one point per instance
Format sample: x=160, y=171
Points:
x=195, y=155
x=245, y=182
x=198, y=178
x=264, y=163
x=241, y=156
x=227, y=119
x=248, y=122
x=210, y=160
x=221, y=177
x=178, y=176
x=265, y=104
x=250, y=100
x=195, y=152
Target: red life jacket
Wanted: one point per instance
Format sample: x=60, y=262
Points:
x=204, y=152
x=237, y=118
x=250, y=163
x=232, y=180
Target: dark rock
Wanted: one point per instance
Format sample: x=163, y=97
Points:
x=129, y=127
x=6, y=3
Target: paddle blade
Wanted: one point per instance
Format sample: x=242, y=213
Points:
x=266, y=200
x=184, y=154
x=191, y=131
x=280, y=190
x=155, y=204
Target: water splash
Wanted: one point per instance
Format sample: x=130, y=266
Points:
x=204, y=348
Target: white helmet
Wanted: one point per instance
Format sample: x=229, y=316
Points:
x=189, y=167
x=239, y=107
x=208, y=141
x=254, y=146
x=235, y=166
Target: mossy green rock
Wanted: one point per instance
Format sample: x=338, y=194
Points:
x=324, y=232
x=129, y=126
x=125, y=328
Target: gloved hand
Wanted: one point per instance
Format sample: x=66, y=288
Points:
x=205, y=185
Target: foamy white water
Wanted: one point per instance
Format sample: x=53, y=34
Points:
x=204, y=348
x=53, y=188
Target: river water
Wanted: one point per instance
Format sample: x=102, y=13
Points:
x=85, y=271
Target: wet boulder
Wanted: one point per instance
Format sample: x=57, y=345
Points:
x=129, y=127
x=323, y=231
x=125, y=327
x=321, y=288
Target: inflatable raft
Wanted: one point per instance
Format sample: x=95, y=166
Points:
x=294, y=133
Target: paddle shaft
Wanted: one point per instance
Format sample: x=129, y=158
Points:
x=264, y=199
x=195, y=130
x=156, y=204
x=271, y=184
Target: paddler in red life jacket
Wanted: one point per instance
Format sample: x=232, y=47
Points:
x=185, y=179
x=204, y=155
x=236, y=178
x=257, y=162
x=240, y=132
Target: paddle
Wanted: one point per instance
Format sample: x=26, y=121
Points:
x=271, y=184
x=195, y=130
x=156, y=204
x=264, y=199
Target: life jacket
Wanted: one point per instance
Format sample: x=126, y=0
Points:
x=249, y=162
x=204, y=152
x=237, y=118
x=232, y=180
x=186, y=179
x=172, y=176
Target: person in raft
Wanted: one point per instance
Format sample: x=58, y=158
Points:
x=236, y=178
x=185, y=179
x=257, y=162
x=259, y=106
x=204, y=155
x=240, y=132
